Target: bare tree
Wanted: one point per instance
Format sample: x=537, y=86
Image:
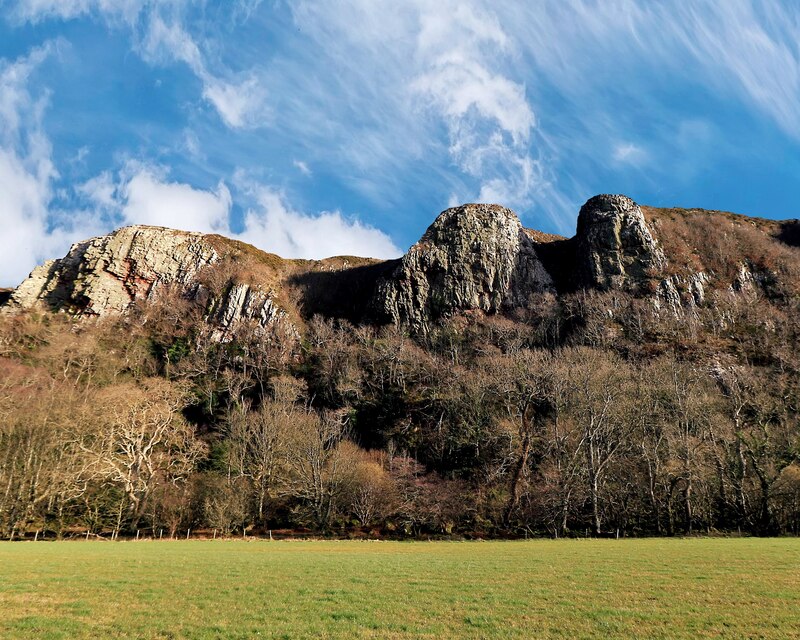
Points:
x=599, y=388
x=141, y=440
x=258, y=440
x=319, y=470
x=39, y=470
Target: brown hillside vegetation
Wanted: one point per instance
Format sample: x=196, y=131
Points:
x=647, y=382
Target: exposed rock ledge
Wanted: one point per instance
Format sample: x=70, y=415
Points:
x=108, y=274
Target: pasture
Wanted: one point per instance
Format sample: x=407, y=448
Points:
x=650, y=588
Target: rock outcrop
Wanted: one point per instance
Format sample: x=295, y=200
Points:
x=678, y=293
x=240, y=304
x=109, y=273
x=615, y=248
x=473, y=257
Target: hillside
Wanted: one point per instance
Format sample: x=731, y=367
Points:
x=641, y=376
x=474, y=257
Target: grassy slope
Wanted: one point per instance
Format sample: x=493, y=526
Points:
x=339, y=286
x=653, y=588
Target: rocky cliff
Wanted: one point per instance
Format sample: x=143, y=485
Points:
x=476, y=256
x=473, y=258
x=479, y=257
x=615, y=248
x=109, y=274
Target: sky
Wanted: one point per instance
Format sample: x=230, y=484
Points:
x=329, y=127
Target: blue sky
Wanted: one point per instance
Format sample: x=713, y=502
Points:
x=320, y=127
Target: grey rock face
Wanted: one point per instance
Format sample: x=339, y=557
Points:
x=615, y=248
x=475, y=256
x=242, y=303
x=682, y=293
x=109, y=273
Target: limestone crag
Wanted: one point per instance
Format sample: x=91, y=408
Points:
x=109, y=273
x=679, y=293
x=615, y=248
x=473, y=257
x=242, y=303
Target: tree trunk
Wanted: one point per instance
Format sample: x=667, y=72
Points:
x=516, y=478
x=687, y=505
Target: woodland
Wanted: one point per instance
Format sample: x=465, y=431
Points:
x=560, y=419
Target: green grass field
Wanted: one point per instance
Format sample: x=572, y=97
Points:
x=654, y=588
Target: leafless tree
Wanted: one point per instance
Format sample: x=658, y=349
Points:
x=140, y=440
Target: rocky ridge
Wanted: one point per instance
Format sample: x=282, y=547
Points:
x=473, y=258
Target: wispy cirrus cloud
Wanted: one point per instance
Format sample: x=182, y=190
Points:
x=39, y=10
x=402, y=108
x=302, y=167
x=428, y=66
x=749, y=47
x=159, y=35
x=240, y=101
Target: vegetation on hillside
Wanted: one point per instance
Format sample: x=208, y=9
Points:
x=587, y=413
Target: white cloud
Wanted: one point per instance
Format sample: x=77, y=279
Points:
x=464, y=53
x=421, y=66
x=146, y=197
x=30, y=233
x=457, y=46
x=442, y=97
x=191, y=145
x=239, y=102
x=100, y=191
x=753, y=45
x=302, y=167
x=37, y=10
x=275, y=227
x=629, y=152
x=143, y=194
